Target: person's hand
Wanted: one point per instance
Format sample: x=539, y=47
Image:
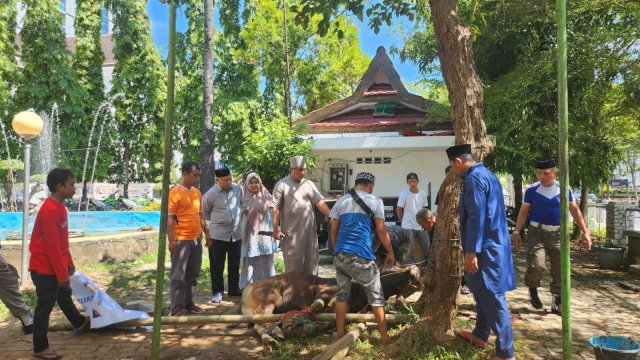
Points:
x=471, y=263
x=277, y=235
x=64, y=283
x=586, y=241
x=173, y=246
x=208, y=241
x=71, y=270
x=391, y=260
x=516, y=240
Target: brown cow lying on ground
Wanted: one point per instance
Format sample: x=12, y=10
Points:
x=296, y=291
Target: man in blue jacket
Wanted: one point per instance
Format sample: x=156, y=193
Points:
x=488, y=265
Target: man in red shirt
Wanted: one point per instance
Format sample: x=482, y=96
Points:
x=51, y=263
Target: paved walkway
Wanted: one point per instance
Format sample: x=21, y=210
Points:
x=600, y=306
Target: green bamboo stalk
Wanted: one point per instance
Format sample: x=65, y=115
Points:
x=166, y=171
x=563, y=140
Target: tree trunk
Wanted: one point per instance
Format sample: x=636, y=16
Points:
x=439, y=301
x=584, y=200
x=207, y=149
x=517, y=190
x=126, y=163
x=633, y=157
x=8, y=189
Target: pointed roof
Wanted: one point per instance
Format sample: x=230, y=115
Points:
x=380, y=83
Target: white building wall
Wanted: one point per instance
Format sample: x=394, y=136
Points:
x=423, y=155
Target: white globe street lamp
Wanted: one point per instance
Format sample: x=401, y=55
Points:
x=28, y=125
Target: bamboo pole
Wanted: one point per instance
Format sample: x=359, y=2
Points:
x=166, y=172
x=339, y=349
x=563, y=141
x=232, y=319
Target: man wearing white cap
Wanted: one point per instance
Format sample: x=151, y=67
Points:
x=293, y=201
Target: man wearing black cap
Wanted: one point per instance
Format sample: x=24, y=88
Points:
x=352, y=219
x=488, y=265
x=542, y=205
x=222, y=206
x=410, y=201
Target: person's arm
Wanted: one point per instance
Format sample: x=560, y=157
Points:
x=577, y=217
x=520, y=221
x=476, y=203
x=276, y=198
x=385, y=240
x=322, y=206
x=53, y=246
x=399, y=212
x=275, y=217
x=172, y=207
x=335, y=223
x=171, y=233
x=400, y=206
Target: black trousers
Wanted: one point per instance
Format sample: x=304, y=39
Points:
x=217, y=254
x=48, y=293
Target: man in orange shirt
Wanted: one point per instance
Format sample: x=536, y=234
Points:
x=51, y=263
x=184, y=232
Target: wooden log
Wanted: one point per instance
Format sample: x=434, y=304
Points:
x=341, y=347
x=232, y=319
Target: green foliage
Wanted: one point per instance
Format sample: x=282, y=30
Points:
x=323, y=69
x=47, y=77
x=138, y=93
x=268, y=149
x=88, y=59
x=9, y=72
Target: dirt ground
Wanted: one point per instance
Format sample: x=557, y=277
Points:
x=599, y=307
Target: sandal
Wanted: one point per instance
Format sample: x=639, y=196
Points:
x=48, y=354
x=469, y=337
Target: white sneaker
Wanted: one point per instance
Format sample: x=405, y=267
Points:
x=217, y=298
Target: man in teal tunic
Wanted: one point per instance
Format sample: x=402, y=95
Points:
x=488, y=265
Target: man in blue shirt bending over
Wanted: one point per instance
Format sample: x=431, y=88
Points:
x=352, y=219
x=542, y=205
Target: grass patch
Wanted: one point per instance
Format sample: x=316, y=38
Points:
x=279, y=265
x=326, y=260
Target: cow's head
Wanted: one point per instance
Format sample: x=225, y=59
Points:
x=405, y=278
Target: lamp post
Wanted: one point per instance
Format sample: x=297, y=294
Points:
x=28, y=125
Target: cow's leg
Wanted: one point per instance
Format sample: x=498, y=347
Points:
x=317, y=306
x=267, y=339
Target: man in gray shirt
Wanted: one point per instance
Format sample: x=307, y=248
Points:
x=222, y=206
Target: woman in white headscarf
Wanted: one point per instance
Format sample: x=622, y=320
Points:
x=257, y=250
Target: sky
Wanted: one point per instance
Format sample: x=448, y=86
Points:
x=369, y=41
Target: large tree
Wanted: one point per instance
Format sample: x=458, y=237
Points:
x=9, y=72
x=138, y=93
x=453, y=40
x=47, y=79
x=9, y=78
x=87, y=65
x=207, y=150
x=88, y=58
x=322, y=69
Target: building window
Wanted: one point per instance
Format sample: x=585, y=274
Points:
x=104, y=24
x=63, y=6
x=373, y=160
x=385, y=109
